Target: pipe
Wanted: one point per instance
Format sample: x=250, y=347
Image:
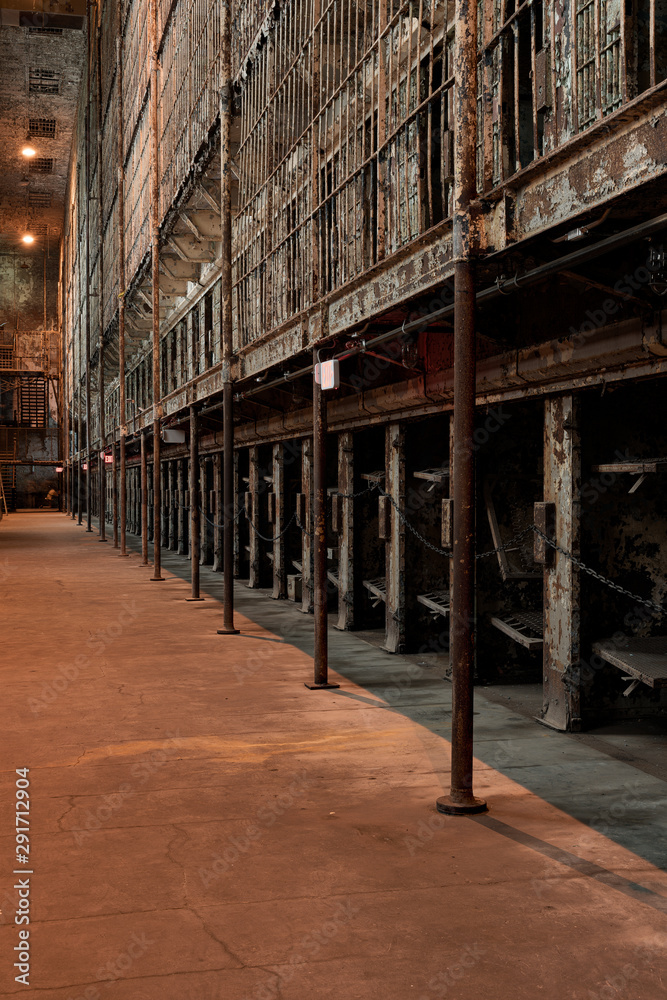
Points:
x=319, y=523
x=195, y=520
x=100, y=291
x=155, y=262
x=461, y=799
x=226, y=330
x=144, y=501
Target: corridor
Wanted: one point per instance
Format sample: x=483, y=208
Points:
x=203, y=826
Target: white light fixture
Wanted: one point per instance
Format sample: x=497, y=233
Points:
x=28, y=238
x=29, y=152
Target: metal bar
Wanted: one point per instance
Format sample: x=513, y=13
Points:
x=195, y=521
x=115, y=494
x=226, y=329
x=461, y=799
x=122, y=486
x=319, y=529
x=144, y=501
x=87, y=114
x=100, y=291
x=155, y=260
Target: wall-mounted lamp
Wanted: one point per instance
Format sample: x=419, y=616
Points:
x=29, y=152
x=28, y=238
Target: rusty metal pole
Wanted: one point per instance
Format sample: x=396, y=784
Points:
x=89, y=471
x=100, y=290
x=226, y=329
x=114, y=467
x=461, y=800
x=121, y=296
x=195, y=520
x=155, y=262
x=319, y=523
x=144, y=501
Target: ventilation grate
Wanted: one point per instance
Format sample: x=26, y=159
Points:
x=36, y=199
x=38, y=229
x=43, y=128
x=41, y=165
x=43, y=81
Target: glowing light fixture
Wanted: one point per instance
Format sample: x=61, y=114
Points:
x=29, y=151
x=28, y=238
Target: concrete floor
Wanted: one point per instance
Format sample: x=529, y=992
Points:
x=204, y=827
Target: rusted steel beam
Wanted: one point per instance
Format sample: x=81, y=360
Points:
x=346, y=531
x=307, y=521
x=226, y=329
x=100, y=288
x=461, y=799
x=195, y=520
x=215, y=514
x=122, y=484
x=155, y=263
x=144, y=501
x=278, y=522
x=319, y=530
x=562, y=487
x=254, y=499
x=395, y=623
x=114, y=488
x=86, y=139
x=181, y=522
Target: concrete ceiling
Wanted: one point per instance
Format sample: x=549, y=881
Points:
x=42, y=54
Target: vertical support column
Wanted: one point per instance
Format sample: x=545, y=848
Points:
x=254, y=556
x=164, y=505
x=346, y=532
x=172, y=509
x=279, y=572
x=180, y=496
x=319, y=528
x=306, y=544
x=114, y=490
x=215, y=514
x=395, y=544
x=562, y=617
x=461, y=799
x=87, y=113
x=195, y=528
x=203, y=505
x=237, y=537
x=100, y=289
x=226, y=325
x=79, y=445
x=144, y=502
x=122, y=485
x=155, y=275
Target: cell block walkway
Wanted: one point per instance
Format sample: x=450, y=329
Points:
x=204, y=827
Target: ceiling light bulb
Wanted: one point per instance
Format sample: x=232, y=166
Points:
x=28, y=238
x=29, y=151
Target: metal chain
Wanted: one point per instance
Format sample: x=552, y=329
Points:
x=508, y=545
x=657, y=608
x=271, y=538
x=410, y=527
x=595, y=574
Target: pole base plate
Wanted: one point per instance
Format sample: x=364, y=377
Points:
x=156, y=579
x=228, y=631
x=195, y=598
x=318, y=687
x=446, y=805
